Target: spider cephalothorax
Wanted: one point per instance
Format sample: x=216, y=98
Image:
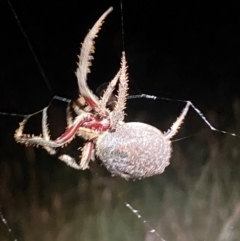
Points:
x=130, y=150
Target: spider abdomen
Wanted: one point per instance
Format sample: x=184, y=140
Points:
x=134, y=150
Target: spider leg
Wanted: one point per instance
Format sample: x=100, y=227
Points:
x=69, y=116
x=81, y=104
x=85, y=62
x=44, y=141
x=87, y=134
x=87, y=153
x=71, y=131
x=19, y=132
x=69, y=161
x=76, y=109
x=118, y=112
x=87, y=150
x=107, y=94
x=177, y=124
x=45, y=131
x=80, y=111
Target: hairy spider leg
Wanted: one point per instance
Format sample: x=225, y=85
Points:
x=68, y=135
x=85, y=62
x=107, y=94
x=76, y=109
x=87, y=155
x=45, y=131
x=177, y=124
x=44, y=141
x=118, y=112
x=69, y=117
x=65, y=158
x=85, y=158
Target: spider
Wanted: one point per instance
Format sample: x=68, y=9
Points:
x=130, y=150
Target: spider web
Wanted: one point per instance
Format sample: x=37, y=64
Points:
x=196, y=198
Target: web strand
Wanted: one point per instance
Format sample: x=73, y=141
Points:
x=145, y=96
x=122, y=26
x=123, y=45
x=136, y=212
x=56, y=97
x=4, y=221
x=139, y=216
x=130, y=97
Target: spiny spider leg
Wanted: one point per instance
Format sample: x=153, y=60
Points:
x=118, y=112
x=77, y=110
x=87, y=155
x=45, y=141
x=69, y=116
x=85, y=62
x=36, y=140
x=177, y=124
x=69, y=134
x=107, y=94
x=45, y=132
x=69, y=161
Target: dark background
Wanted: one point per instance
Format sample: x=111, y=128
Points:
x=178, y=49
x=187, y=50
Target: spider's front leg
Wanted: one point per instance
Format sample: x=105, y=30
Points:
x=84, y=62
x=44, y=141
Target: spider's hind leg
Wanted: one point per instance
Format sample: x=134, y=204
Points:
x=87, y=155
x=70, y=161
x=177, y=124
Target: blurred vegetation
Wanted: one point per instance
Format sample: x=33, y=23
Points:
x=196, y=198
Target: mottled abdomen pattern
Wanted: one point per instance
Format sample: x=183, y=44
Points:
x=134, y=150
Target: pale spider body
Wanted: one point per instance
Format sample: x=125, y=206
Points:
x=134, y=150
x=130, y=150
